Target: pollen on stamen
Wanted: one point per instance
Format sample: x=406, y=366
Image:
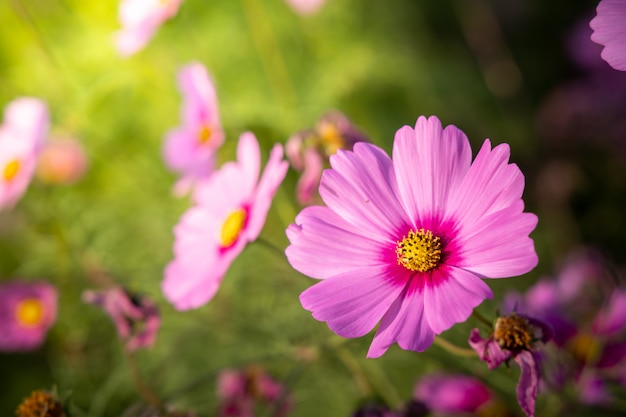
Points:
x=232, y=227
x=419, y=251
x=11, y=170
x=513, y=333
x=204, y=136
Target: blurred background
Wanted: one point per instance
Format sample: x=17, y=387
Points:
x=514, y=71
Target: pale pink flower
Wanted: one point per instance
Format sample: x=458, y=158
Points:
x=231, y=209
x=22, y=135
x=140, y=20
x=136, y=318
x=62, y=161
x=27, y=311
x=306, y=7
x=451, y=394
x=190, y=149
x=406, y=242
x=609, y=30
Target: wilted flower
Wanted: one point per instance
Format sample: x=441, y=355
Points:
x=306, y=7
x=308, y=150
x=449, y=394
x=62, y=161
x=22, y=135
x=211, y=234
x=609, y=30
x=190, y=149
x=515, y=337
x=27, y=311
x=140, y=20
x=406, y=242
x=40, y=404
x=242, y=392
x=136, y=318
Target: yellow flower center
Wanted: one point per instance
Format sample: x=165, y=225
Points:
x=11, y=169
x=29, y=312
x=330, y=138
x=232, y=227
x=419, y=251
x=204, y=136
x=513, y=333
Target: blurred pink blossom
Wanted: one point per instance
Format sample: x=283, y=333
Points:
x=231, y=209
x=306, y=7
x=140, y=20
x=450, y=394
x=62, y=161
x=609, y=30
x=190, y=149
x=136, y=318
x=22, y=136
x=27, y=311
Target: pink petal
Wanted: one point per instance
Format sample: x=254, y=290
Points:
x=528, y=382
x=612, y=319
x=309, y=181
x=609, y=30
x=200, y=98
x=361, y=189
x=352, y=303
x=487, y=349
x=324, y=245
x=183, y=154
x=452, y=297
x=498, y=245
x=28, y=119
x=405, y=323
x=429, y=164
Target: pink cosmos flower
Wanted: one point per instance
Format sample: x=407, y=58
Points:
x=609, y=30
x=247, y=392
x=306, y=7
x=308, y=150
x=140, y=20
x=136, y=318
x=231, y=209
x=190, y=149
x=27, y=311
x=450, y=394
x=516, y=337
x=22, y=135
x=406, y=242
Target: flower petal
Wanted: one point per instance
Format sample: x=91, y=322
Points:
x=324, y=245
x=609, y=30
x=429, y=164
x=361, y=189
x=405, y=323
x=451, y=297
x=352, y=302
x=528, y=381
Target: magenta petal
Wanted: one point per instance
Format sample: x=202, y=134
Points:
x=528, y=381
x=320, y=234
x=405, y=323
x=487, y=349
x=452, y=297
x=442, y=158
x=309, y=181
x=361, y=189
x=609, y=30
x=612, y=319
x=353, y=302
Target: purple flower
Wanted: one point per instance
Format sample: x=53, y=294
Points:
x=241, y=392
x=213, y=233
x=190, y=149
x=609, y=30
x=308, y=150
x=515, y=337
x=136, y=318
x=27, y=311
x=140, y=20
x=406, y=242
x=449, y=394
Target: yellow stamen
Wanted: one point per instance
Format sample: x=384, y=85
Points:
x=513, y=333
x=419, y=251
x=330, y=138
x=29, y=312
x=584, y=347
x=204, y=136
x=11, y=169
x=232, y=227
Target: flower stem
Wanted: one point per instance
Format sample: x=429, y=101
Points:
x=454, y=349
x=143, y=389
x=482, y=319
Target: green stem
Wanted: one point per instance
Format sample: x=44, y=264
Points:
x=454, y=349
x=482, y=319
x=142, y=388
x=280, y=252
x=357, y=373
x=269, y=52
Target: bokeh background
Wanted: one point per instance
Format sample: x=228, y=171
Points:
x=520, y=72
